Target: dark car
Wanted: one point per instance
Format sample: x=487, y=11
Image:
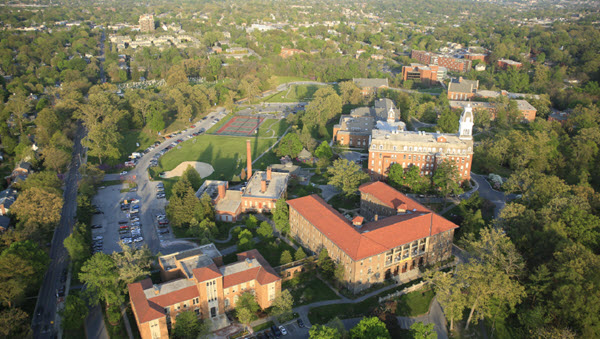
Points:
x=96, y=226
x=268, y=334
x=276, y=331
x=300, y=323
x=98, y=212
x=165, y=231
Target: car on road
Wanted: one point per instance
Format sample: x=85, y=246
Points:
x=98, y=212
x=96, y=226
x=133, y=189
x=124, y=173
x=164, y=231
x=300, y=323
x=283, y=330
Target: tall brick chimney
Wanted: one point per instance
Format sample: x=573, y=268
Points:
x=269, y=173
x=222, y=189
x=248, y=160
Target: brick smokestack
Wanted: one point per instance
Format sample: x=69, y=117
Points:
x=248, y=160
x=269, y=173
x=222, y=189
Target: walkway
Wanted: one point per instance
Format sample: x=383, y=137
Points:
x=94, y=324
x=499, y=199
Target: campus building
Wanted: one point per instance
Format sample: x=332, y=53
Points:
x=146, y=23
x=528, y=112
x=430, y=74
x=451, y=63
x=393, y=235
x=196, y=280
x=354, y=129
x=462, y=89
x=259, y=195
x=370, y=86
x=423, y=149
x=505, y=63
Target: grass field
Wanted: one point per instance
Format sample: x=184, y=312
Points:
x=226, y=154
x=415, y=303
x=269, y=125
x=310, y=291
x=294, y=94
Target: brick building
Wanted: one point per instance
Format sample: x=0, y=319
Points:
x=423, y=149
x=146, y=23
x=527, y=111
x=505, y=63
x=462, y=89
x=260, y=194
x=393, y=236
x=288, y=52
x=196, y=280
x=430, y=74
x=354, y=130
x=369, y=86
x=451, y=63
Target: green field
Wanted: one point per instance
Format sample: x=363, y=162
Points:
x=294, y=94
x=272, y=127
x=226, y=154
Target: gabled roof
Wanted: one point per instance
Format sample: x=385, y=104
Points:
x=258, y=269
x=206, y=273
x=373, y=237
x=463, y=85
x=145, y=310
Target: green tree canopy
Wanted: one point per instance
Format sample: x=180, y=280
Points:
x=346, y=176
x=370, y=328
x=289, y=145
x=188, y=326
x=323, y=332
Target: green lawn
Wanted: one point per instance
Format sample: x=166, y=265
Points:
x=278, y=126
x=271, y=250
x=268, y=159
x=415, y=303
x=263, y=326
x=309, y=290
x=226, y=154
x=319, y=179
x=219, y=124
x=341, y=201
x=144, y=137
x=294, y=94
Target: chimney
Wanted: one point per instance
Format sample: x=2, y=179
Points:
x=248, y=160
x=156, y=289
x=460, y=79
x=269, y=173
x=263, y=186
x=222, y=189
x=248, y=262
x=376, y=217
x=357, y=221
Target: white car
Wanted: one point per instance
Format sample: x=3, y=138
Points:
x=127, y=240
x=124, y=173
x=138, y=239
x=283, y=330
x=98, y=237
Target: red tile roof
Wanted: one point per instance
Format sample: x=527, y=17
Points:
x=263, y=274
x=390, y=197
x=358, y=220
x=145, y=310
x=240, y=277
x=374, y=237
x=206, y=273
x=175, y=297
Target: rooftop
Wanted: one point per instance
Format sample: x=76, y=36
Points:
x=461, y=85
x=524, y=105
x=411, y=136
x=474, y=104
x=190, y=259
x=357, y=124
x=231, y=202
x=275, y=187
x=510, y=62
x=210, y=187
x=373, y=237
x=168, y=287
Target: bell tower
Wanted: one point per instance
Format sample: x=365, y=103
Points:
x=465, y=128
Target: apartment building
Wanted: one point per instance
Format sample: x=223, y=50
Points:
x=393, y=235
x=423, y=149
x=430, y=74
x=451, y=63
x=505, y=63
x=146, y=23
x=196, y=280
x=462, y=89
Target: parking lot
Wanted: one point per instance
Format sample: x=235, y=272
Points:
x=122, y=222
x=292, y=328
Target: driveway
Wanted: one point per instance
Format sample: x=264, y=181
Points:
x=499, y=199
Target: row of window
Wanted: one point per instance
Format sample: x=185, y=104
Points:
x=241, y=286
x=426, y=149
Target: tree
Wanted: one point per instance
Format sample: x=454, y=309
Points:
x=326, y=104
x=77, y=244
x=14, y=323
x=265, y=231
x=36, y=207
x=246, y=241
x=46, y=180
x=132, y=264
x=15, y=277
x=299, y=255
x=281, y=216
x=183, y=204
x=286, y=258
x=449, y=294
x=251, y=222
x=193, y=177
x=370, y=328
x=56, y=158
x=323, y=332
x=494, y=246
x=187, y=326
x=419, y=330
x=346, y=176
x=324, y=153
x=350, y=93
x=246, y=308
x=446, y=179
x=289, y=145
x=282, y=305
x=449, y=121
x=100, y=274
x=339, y=273
x=408, y=179
x=74, y=312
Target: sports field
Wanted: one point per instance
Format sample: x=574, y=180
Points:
x=240, y=126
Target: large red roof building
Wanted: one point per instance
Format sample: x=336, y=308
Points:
x=196, y=280
x=393, y=235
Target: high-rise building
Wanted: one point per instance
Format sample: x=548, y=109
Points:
x=147, y=23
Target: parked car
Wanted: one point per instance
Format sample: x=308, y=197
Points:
x=276, y=331
x=133, y=189
x=98, y=212
x=300, y=323
x=164, y=231
x=160, y=196
x=96, y=226
x=123, y=222
x=138, y=239
x=124, y=173
x=98, y=237
x=283, y=330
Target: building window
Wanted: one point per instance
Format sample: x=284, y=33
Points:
x=226, y=302
x=380, y=146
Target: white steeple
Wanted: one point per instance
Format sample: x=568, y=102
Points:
x=391, y=118
x=465, y=128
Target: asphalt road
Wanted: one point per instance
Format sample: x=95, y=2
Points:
x=45, y=314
